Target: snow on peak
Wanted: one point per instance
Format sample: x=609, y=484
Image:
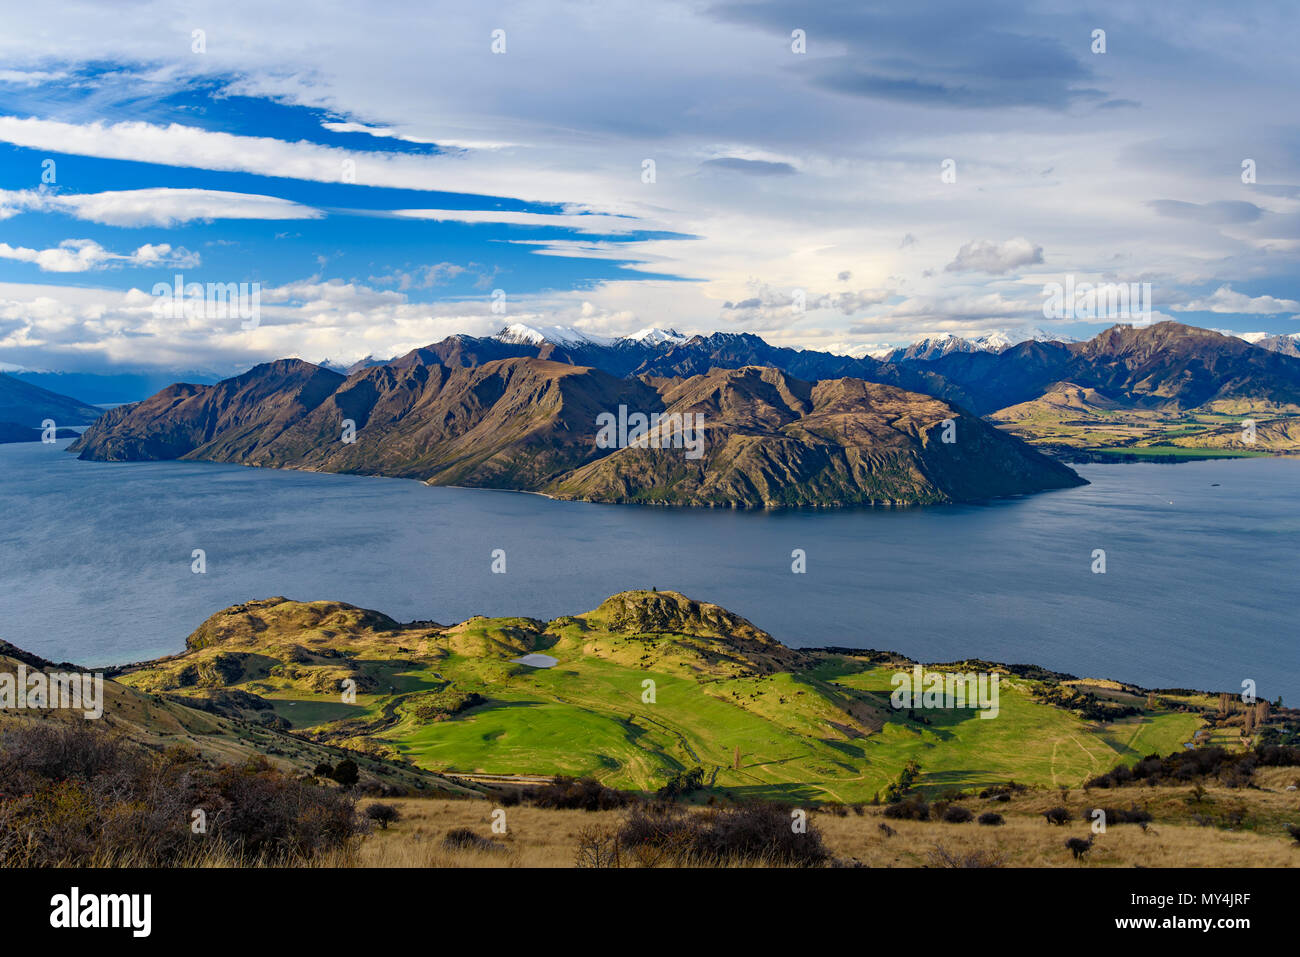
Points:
x=517, y=333
x=999, y=340
x=1002, y=339
x=654, y=336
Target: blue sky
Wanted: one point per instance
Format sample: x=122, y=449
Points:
x=380, y=183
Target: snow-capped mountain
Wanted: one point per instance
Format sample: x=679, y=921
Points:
x=654, y=336
x=1288, y=344
x=931, y=347
x=935, y=347
x=520, y=334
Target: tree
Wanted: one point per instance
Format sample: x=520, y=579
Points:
x=346, y=773
x=1078, y=846
x=383, y=815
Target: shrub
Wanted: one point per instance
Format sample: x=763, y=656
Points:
x=1294, y=831
x=1131, y=815
x=1233, y=769
x=956, y=814
x=682, y=783
x=346, y=772
x=1003, y=792
x=463, y=839
x=598, y=847
x=940, y=856
x=383, y=815
x=73, y=796
x=991, y=818
x=1058, y=815
x=903, y=786
x=748, y=833
x=912, y=809
x=586, y=794
x=1078, y=846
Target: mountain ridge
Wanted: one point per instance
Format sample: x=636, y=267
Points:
x=531, y=424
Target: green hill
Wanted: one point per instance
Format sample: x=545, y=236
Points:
x=647, y=684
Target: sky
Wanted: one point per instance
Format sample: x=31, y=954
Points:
x=843, y=178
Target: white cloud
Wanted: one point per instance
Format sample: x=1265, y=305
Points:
x=153, y=207
x=982, y=255
x=84, y=255
x=561, y=132
x=1224, y=299
x=577, y=222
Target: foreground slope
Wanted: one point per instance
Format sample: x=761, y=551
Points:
x=212, y=727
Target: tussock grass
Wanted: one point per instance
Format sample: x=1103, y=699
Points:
x=539, y=837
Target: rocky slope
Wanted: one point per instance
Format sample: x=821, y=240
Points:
x=773, y=440
x=28, y=405
x=1165, y=366
x=529, y=424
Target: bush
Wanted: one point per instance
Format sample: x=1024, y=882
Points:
x=1058, y=815
x=991, y=818
x=586, y=794
x=1003, y=792
x=1131, y=815
x=912, y=809
x=383, y=815
x=748, y=833
x=940, y=856
x=1078, y=846
x=346, y=772
x=682, y=783
x=956, y=814
x=463, y=839
x=1183, y=767
x=76, y=797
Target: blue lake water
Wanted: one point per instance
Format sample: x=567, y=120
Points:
x=1199, y=590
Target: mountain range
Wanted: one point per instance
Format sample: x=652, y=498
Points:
x=24, y=407
x=1167, y=365
x=531, y=424
x=1288, y=345
x=934, y=347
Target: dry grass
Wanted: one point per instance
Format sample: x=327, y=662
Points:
x=550, y=838
x=534, y=837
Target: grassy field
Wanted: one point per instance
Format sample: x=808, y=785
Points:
x=1186, y=830
x=1177, y=452
x=762, y=720
x=1149, y=434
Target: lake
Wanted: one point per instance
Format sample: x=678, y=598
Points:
x=1199, y=590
